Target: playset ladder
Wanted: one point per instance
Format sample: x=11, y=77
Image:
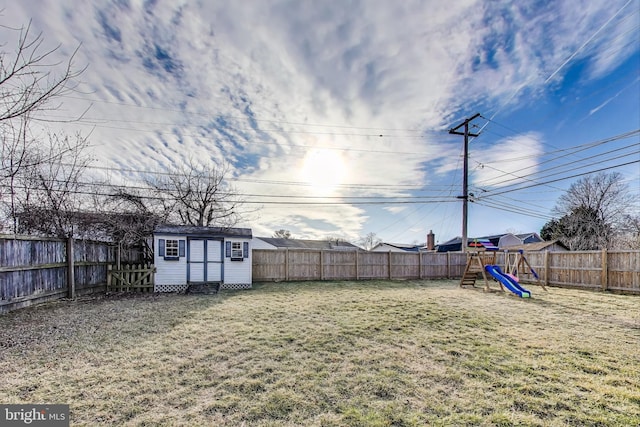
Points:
x=475, y=264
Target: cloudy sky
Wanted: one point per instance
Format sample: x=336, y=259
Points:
x=334, y=115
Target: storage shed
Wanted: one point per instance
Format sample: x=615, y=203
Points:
x=196, y=258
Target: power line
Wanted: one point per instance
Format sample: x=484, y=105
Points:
x=571, y=151
x=513, y=209
x=575, y=149
x=269, y=182
x=566, y=177
x=409, y=200
x=573, y=55
x=530, y=80
x=240, y=129
x=600, y=161
x=600, y=157
x=208, y=115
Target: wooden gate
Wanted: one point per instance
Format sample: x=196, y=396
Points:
x=130, y=278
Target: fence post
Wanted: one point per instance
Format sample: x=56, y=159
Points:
x=109, y=276
x=71, y=279
x=152, y=277
x=547, y=269
x=357, y=266
x=389, y=264
x=286, y=265
x=448, y=265
x=321, y=264
x=119, y=256
x=605, y=270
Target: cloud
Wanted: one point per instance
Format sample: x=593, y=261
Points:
x=261, y=84
x=395, y=209
x=506, y=162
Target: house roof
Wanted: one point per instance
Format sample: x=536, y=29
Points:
x=307, y=244
x=527, y=235
x=199, y=231
x=456, y=242
x=482, y=243
x=537, y=246
x=458, y=239
x=402, y=246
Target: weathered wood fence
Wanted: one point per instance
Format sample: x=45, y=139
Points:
x=34, y=270
x=307, y=264
x=131, y=278
x=596, y=270
x=601, y=270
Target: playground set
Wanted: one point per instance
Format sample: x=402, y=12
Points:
x=482, y=260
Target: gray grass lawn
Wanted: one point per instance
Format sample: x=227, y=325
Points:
x=402, y=353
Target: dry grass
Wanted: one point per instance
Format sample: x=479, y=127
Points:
x=331, y=354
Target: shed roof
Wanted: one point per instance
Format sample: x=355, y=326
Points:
x=198, y=231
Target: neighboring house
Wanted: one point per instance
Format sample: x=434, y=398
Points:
x=553, y=246
x=395, y=247
x=189, y=257
x=275, y=243
x=499, y=240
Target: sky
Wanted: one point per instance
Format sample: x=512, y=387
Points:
x=334, y=116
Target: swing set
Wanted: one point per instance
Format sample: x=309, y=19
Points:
x=520, y=265
x=482, y=260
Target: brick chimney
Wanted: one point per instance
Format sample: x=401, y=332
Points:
x=431, y=241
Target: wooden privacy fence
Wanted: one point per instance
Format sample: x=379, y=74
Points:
x=308, y=264
x=598, y=270
x=35, y=270
x=130, y=278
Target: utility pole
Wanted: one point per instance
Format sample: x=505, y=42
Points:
x=465, y=178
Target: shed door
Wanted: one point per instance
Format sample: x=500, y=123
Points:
x=214, y=261
x=196, y=260
x=205, y=260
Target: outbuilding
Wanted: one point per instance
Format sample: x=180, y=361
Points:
x=201, y=259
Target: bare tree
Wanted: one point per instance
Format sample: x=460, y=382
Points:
x=27, y=80
x=52, y=193
x=126, y=217
x=282, y=234
x=17, y=153
x=31, y=81
x=196, y=194
x=630, y=238
x=592, y=212
x=369, y=241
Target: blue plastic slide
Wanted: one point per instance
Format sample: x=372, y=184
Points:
x=507, y=281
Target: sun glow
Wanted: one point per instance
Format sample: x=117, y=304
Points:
x=324, y=170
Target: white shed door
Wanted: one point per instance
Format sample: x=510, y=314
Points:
x=205, y=260
x=196, y=261
x=214, y=261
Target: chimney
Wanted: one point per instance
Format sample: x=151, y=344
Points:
x=431, y=239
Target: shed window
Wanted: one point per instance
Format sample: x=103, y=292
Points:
x=171, y=248
x=236, y=250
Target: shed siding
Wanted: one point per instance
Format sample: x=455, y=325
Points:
x=238, y=272
x=170, y=272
